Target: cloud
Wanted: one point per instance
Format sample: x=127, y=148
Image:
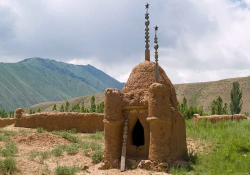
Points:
x=200, y=40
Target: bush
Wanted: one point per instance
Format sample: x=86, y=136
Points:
x=65, y=170
x=97, y=156
x=8, y=166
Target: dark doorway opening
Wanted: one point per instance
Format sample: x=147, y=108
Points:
x=138, y=134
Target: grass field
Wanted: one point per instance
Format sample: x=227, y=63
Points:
x=214, y=149
x=226, y=148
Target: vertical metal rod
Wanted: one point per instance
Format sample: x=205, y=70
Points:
x=156, y=46
x=147, y=51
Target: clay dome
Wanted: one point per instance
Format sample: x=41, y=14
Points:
x=143, y=75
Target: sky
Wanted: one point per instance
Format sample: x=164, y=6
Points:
x=199, y=40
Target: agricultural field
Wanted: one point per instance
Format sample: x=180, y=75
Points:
x=221, y=148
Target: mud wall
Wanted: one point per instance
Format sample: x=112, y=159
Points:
x=167, y=127
x=217, y=118
x=55, y=121
x=6, y=122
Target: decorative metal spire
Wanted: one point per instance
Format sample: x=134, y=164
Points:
x=156, y=46
x=147, y=51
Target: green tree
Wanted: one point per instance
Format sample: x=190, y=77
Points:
x=100, y=107
x=83, y=109
x=31, y=112
x=62, y=108
x=219, y=105
x=189, y=112
x=216, y=106
x=54, y=107
x=236, y=95
x=76, y=108
x=67, y=107
x=3, y=113
x=11, y=115
x=39, y=110
x=93, y=106
x=225, y=110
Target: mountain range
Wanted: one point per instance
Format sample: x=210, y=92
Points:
x=197, y=94
x=37, y=80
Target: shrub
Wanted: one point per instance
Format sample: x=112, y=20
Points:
x=65, y=170
x=97, y=156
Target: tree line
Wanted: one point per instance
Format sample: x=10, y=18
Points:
x=216, y=106
x=4, y=114
x=99, y=108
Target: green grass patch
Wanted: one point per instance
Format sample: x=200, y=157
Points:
x=10, y=149
x=33, y=155
x=97, y=156
x=8, y=166
x=67, y=170
x=228, y=150
x=96, y=136
x=6, y=135
x=40, y=130
x=23, y=131
x=41, y=155
x=58, y=151
x=69, y=135
x=72, y=149
x=90, y=146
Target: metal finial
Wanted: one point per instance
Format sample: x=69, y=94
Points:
x=156, y=46
x=147, y=51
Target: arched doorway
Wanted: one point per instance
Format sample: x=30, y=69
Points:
x=138, y=134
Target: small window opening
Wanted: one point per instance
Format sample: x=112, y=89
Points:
x=138, y=134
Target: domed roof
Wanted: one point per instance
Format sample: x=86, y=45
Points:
x=143, y=76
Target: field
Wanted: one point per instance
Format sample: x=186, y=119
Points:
x=221, y=148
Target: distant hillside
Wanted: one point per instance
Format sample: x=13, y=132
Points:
x=198, y=94
x=202, y=94
x=37, y=80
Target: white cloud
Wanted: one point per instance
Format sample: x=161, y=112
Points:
x=200, y=40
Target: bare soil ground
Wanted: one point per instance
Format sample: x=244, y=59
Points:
x=28, y=141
